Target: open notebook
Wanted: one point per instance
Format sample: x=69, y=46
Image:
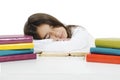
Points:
x=62, y=54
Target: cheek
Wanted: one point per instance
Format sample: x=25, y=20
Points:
x=41, y=33
x=65, y=32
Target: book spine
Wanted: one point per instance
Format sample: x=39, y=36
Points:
x=11, y=40
x=107, y=43
x=103, y=58
x=14, y=52
x=101, y=50
x=16, y=46
x=17, y=57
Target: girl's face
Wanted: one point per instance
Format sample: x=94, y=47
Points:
x=46, y=31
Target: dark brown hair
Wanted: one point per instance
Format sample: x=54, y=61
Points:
x=37, y=19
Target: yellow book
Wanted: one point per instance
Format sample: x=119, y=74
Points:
x=62, y=54
x=16, y=46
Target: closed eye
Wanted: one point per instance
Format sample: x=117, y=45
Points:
x=47, y=36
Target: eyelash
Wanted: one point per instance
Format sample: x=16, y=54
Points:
x=48, y=36
x=48, y=33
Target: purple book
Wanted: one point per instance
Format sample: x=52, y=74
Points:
x=17, y=57
x=9, y=39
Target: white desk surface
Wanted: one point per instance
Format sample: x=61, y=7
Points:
x=57, y=68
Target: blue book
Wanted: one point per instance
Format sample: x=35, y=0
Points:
x=14, y=52
x=100, y=50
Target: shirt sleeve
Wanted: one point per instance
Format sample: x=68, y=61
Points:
x=80, y=40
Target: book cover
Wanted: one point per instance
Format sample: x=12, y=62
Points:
x=62, y=54
x=100, y=50
x=8, y=39
x=14, y=52
x=17, y=57
x=103, y=58
x=108, y=42
x=16, y=46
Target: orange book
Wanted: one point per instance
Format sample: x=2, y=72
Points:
x=103, y=58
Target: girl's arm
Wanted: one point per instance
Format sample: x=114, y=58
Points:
x=80, y=40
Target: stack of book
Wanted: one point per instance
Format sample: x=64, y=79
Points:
x=107, y=50
x=16, y=47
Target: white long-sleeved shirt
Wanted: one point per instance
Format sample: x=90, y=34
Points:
x=80, y=41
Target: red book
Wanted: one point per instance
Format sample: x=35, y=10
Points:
x=17, y=57
x=103, y=58
x=8, y=39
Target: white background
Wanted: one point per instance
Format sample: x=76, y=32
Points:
x=100, y=17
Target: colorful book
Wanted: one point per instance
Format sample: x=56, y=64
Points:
x=8, y=39
x=14, y=52
x=17, y=57
x=100, y=50
x=16, y=46
x=103, y=58
x=108, y=42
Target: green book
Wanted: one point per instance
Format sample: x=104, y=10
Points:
x=108, y=42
